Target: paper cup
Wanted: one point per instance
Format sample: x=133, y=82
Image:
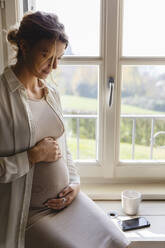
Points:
x=130, y=201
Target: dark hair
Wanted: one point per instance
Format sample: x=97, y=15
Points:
x=35, y=27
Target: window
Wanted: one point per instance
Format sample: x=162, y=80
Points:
x=142, y=112
x=78, y=85
x=141, y=70
x=121, y=40
x=78, y=75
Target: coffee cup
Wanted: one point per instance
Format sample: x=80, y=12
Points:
x=130, y=201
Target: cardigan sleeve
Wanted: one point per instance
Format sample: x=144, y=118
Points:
x=74, y=176
x=14, y=166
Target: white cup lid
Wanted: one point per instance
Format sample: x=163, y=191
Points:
x=131, y=194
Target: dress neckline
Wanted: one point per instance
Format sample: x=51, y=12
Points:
x=36, y=99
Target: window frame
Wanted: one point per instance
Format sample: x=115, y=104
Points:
x=149, y=169
x=105, y=167
x=1, y=42
x=87, y=168
x=108, y=168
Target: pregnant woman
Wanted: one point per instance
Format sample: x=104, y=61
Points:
x=41, y=202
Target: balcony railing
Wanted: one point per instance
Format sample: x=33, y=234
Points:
x=126, y=116
x=78, y=117
x=152, y=137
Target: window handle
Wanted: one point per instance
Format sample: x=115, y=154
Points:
x=111, y=83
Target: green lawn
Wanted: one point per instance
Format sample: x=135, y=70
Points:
x=87, y=150
x=84, y=104
x=128, y=109
x=141, y=152
x=79, y=104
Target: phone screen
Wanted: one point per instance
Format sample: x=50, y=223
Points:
x=135, y=223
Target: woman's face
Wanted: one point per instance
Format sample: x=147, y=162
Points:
x=44, y=57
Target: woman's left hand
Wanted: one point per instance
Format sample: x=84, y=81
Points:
x=66, y=196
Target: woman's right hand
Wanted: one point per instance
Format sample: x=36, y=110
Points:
x=46, y=150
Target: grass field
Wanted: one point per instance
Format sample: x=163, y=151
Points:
x=88, y=150
x=84, y=104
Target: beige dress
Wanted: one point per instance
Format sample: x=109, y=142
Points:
x=80, y=225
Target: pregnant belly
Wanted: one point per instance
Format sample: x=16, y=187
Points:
x=49, y=179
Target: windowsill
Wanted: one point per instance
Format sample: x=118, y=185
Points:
x=107, y=197
x=150, y=237
x=150, y=191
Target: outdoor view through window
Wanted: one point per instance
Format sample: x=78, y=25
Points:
x=142, y=122
x=142, y=127
x=77, y=82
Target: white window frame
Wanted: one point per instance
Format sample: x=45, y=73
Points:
x=150, y=169
x=107, y=168
x=1, y=43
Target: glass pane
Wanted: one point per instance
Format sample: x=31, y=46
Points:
x=142, y=112
x=143, y=28
x=81, y=20
x=78, y=86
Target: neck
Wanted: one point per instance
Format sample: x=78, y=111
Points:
x=25, y=76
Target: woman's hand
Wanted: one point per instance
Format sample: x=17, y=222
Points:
x=46, y=150
x=69, y=194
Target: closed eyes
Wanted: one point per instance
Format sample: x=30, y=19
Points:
x=44, y=55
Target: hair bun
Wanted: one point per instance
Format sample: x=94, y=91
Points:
x=12, y=36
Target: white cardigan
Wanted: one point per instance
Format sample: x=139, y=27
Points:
x=16, y=174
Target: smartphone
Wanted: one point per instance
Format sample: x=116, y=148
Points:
x=135, y=223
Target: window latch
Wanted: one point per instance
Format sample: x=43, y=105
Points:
x=111, y=83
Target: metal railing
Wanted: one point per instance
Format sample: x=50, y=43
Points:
x=152, y=137
x=78, y=117
x=126, y=116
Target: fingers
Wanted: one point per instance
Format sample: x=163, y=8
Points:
x=59, y=203
x=65, y=191
x=48, y=150
x=49, y=138
x=56, y=152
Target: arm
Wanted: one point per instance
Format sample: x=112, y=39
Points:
x=17, y=165
x=14, y=166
